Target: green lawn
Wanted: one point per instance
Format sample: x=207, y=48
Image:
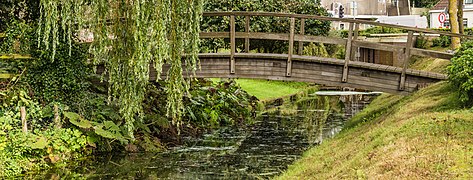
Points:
x=266, y=89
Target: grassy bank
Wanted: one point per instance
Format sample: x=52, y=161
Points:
x=427, y=135
x=266, y=90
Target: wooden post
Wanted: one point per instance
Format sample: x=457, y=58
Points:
x=247, y=30
x=291, y=48
x=301, y=44
x=407, y=56
x=23, y=119
x=232, y=44
x=355, y=37
x=347, y=53
x=57, y=120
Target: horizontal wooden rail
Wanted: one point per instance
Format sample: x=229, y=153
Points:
x=7, y=76
x=15, y=56
x=324, y=18
x=378, y=46
x=430, y=53
x=274, y=36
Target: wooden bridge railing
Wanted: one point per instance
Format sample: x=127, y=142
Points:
x=301, y=37
x=349, y=43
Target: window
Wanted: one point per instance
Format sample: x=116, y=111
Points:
x=342, y=26
x=465, y=22
x=468, y=1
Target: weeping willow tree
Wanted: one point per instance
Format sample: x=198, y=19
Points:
x=128, y=36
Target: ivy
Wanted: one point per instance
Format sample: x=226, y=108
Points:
x=127, y=37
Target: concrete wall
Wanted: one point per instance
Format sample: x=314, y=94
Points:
x=365, y=7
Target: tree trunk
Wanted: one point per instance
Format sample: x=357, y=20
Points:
x=460, y=17
x=453, y=12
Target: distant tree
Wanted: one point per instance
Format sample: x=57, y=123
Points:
x=424, y=3
x=262, y=24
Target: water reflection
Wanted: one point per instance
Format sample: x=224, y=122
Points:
x=259, y=152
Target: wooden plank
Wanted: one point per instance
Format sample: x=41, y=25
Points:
x=325, y=18
x=324, y=60
x=319, y=73
x=407, y=56
x=214, y=55
x=302, y=32
x=321, y=39
x=385, y=76
x=15, y=56
x=355, y=48
x=347, y=53
x=265, y=36
x=274, y=36
x=262, y=56
x=247, y=30
x=6, y=76
x=206, y=35
x=23, y=119
x=232, y=44
x=430, y=53
x=392, y=79
x=213, y=67
x=291, y=48
x=377, y=46
x=317, y=67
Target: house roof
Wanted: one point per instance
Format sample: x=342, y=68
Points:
x=441, y=5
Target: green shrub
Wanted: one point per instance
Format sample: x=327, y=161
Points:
x=315, y=49
x=461, y=72
x=421, y=42
x=442, y=41
x=220, y=104
x=374, y=30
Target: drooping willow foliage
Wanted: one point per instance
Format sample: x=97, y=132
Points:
x=128, y=35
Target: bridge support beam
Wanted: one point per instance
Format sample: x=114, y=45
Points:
x=355, y=49
x=247, y=30
x=406, y=57
x=347, y=53
x=291, y=48
x=232, y=44
x=302, y=32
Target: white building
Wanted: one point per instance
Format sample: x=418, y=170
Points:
x=365, y=10
x=439, y=14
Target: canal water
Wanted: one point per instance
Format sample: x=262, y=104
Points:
x=261, y=151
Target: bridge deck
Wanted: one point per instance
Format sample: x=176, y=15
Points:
x=327, y=71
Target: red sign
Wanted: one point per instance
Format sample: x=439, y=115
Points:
x=442, y=17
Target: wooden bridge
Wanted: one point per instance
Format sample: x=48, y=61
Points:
x=294, y=66
x=327, y=71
